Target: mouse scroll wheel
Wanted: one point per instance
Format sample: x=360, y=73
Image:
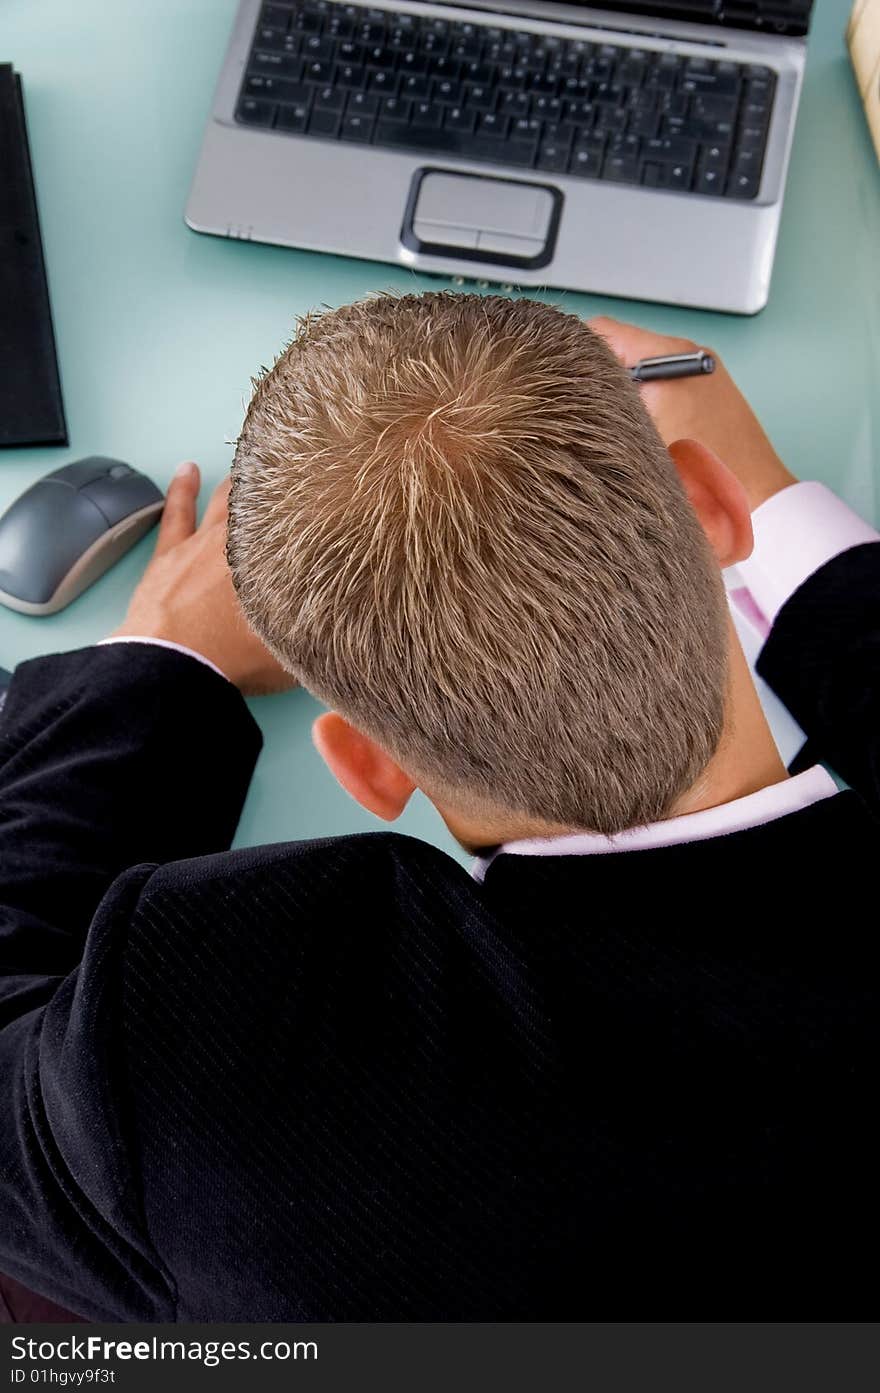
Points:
x=120, y=471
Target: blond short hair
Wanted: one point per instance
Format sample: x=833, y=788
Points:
x=454, y=522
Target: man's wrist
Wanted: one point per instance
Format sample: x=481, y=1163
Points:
x=122, y=636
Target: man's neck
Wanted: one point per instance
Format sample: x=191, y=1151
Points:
x=745, y=761
x=747, y=758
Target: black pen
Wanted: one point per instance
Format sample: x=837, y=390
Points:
x=673, y=365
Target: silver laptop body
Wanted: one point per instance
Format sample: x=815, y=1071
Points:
x=482, y=221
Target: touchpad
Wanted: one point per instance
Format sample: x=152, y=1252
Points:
x=481, y=218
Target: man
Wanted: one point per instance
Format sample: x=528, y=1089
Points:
x=621, y=1070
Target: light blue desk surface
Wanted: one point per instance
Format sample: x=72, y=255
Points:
x=159, y=330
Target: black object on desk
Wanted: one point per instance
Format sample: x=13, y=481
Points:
x=31, y=408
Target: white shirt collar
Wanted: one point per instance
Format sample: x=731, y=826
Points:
x=752, y=811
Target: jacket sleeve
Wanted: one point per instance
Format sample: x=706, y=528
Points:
x=112, y=760
x=822, y=658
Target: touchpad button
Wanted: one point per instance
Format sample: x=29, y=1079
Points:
x=506, y=220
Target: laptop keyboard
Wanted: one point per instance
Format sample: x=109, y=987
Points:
x=472, y=91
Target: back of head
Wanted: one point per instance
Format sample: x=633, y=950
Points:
x=454, y=522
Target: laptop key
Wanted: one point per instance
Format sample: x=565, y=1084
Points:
x=553, y=158
x=361, y=104
x=413, y=63
x=607, y=93
x=427, y=115
x=459, y=118
x=559, y=132
x=277, y=39
x=356, y=127
x=275, y=15
x=750, y=138
x=621, y=170
x=516, y=104
x=478, y=73
x=548, y=108
x=450, y=93
x=415, y=88
x=329, y=99
x=253, y=112
x=307, y=23
x=586, y=161
x=678, y=176
x=277, y=89
x=661, y=79
x=479, y=98
x=492, y=124
x=525, y=128
x=644, y=123
x=674, y=104
x=543, y=87
x=627, y=145
x=709, y=82
x=714, y=108
x=755, y=113
x=611, y=120
x=380, y=81
x=584, y=113
x=671, y=151
x=742, y=185
x=511, y=78
x=633, y=69
x=445, y=69
x=325, y=122
x=292, y=118
x=710, y=181
x=380, y=57
x=395, y=109
x=747, y=161
x=350, y=53
x=316, y=47
x=350, y=75
x=642, y=99
x=275, y=65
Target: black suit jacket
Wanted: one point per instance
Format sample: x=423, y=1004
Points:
x=340, y=1080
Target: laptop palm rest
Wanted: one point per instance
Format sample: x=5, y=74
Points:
x=481, y=218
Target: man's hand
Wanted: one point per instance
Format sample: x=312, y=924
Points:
x=710, y=409
x=186, y=594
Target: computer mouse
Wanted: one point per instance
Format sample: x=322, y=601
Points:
x=68, y=528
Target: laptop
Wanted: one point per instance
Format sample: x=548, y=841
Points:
x=627, y=149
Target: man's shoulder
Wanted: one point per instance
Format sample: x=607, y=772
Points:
x=259, y=929
x=389, y=864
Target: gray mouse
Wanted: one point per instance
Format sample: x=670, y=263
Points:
x=68, y=528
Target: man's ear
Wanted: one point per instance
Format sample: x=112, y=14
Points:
x=362, y=767
x=718, y=499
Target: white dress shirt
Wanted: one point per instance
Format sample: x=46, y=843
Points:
x=796, y=532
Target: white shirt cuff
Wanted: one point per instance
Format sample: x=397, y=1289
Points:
x=796, y=532
x=166, y=643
